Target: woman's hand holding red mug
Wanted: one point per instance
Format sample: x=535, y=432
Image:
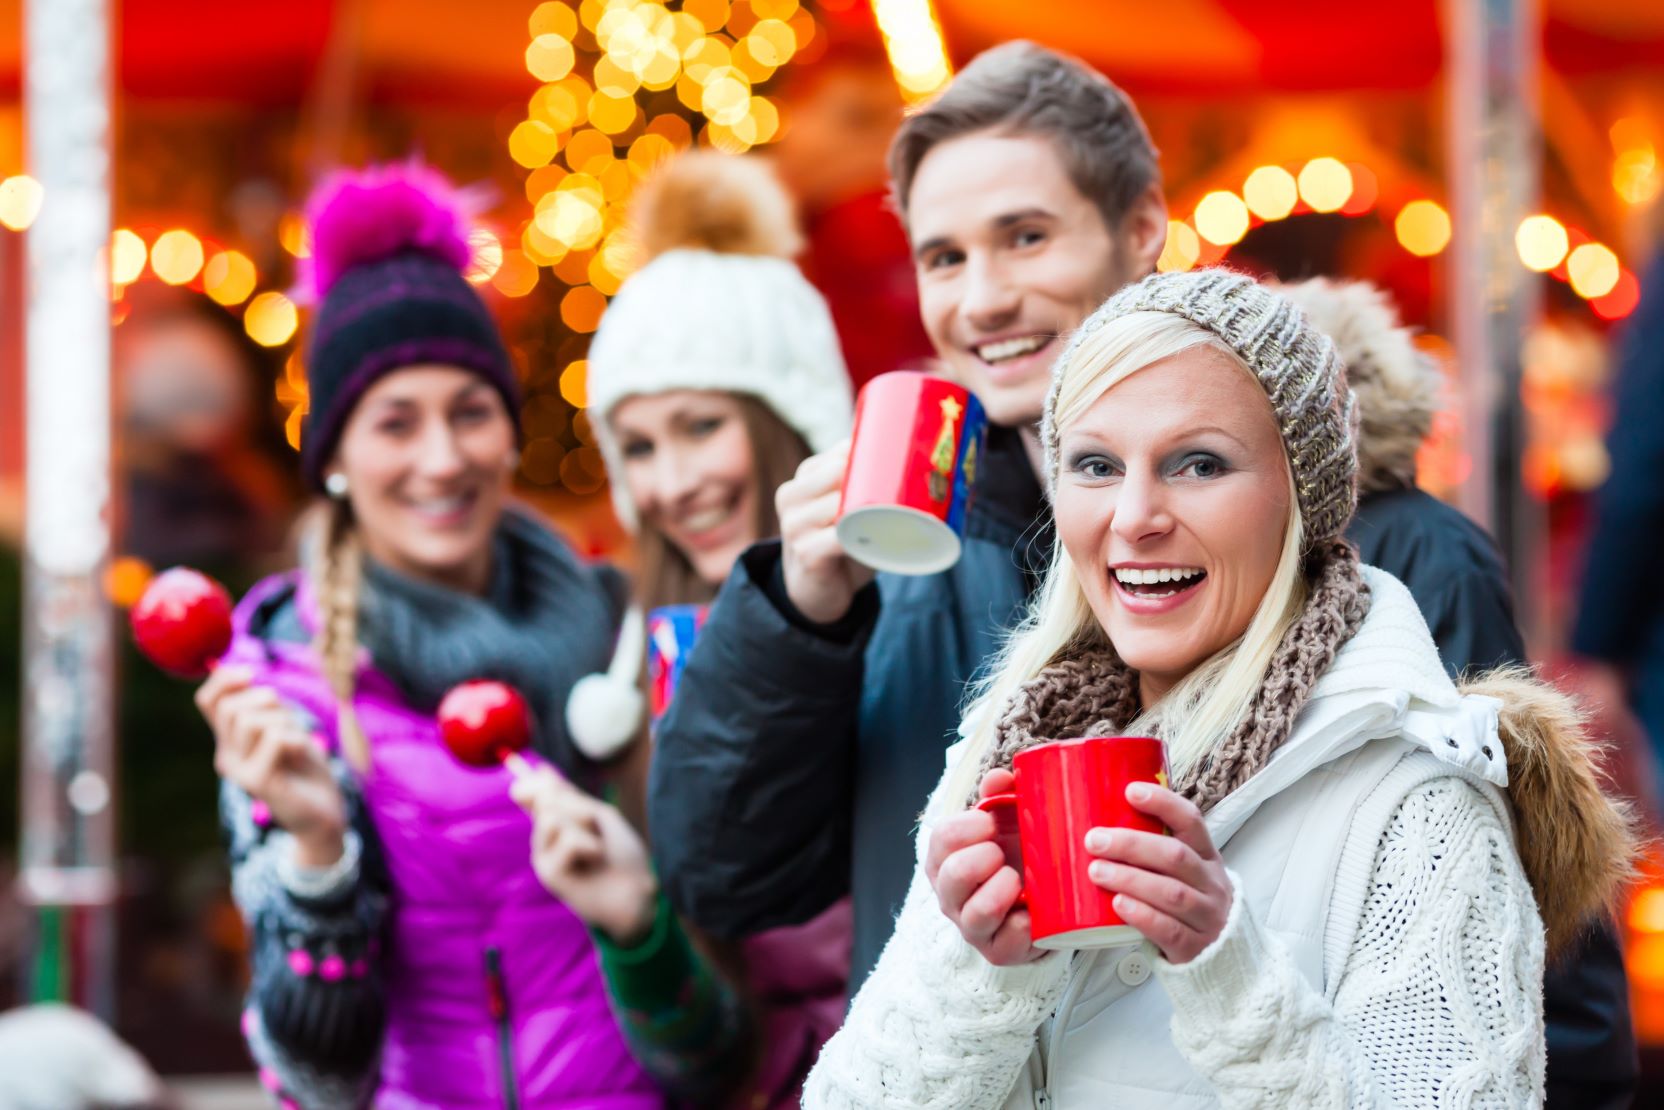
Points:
x=977, y=889
x=1171, y=888
x=267, y=749
x=821, y=579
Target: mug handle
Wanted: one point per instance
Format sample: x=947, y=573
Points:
x=1003, y=807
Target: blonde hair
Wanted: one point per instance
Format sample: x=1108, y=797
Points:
x=337, y=571
x=1204, y=708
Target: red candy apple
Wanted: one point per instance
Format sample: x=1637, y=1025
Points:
x=183, y=622
x=486, y=724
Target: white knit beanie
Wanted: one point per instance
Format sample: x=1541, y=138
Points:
x=718, y=307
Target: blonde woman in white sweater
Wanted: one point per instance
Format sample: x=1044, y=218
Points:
x=1369, y=865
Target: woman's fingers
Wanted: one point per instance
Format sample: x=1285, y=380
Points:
x=1179, y=814
x=984, y=913
x=962, y=875
x=998, y=781
x=953, y=834
x=1179, y=943
x=1184, y=903
x=221, y=681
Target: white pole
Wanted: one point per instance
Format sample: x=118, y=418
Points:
x=68, y=780
x=1492, y=149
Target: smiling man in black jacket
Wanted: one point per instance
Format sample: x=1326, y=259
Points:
x=811, y=721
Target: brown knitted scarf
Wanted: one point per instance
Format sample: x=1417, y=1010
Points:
x=1093, y=693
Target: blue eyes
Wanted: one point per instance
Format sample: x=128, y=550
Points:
x=1198, y=464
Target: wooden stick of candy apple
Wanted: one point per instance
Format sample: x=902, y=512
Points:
x=486, y=724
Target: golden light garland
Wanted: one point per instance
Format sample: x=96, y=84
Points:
x=624, y=85
x=1422, y=227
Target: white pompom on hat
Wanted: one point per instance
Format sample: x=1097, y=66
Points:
x=718, y=306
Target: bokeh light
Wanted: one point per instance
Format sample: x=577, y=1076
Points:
x=176, y=256
x=1182, y=248
x=516, y=275
x=574, y=384
x=532, y=143
x=271, y=319
x=20, y=201
x=1541, y=242
x=229, y=277
x=1423, y=228
x=294, y=235
x=550, y=57
x=1325, y=184
x=1593, y=270
x=1222, y=218
x=487, y=255
x=913, y=40
x=581, y=308
x=1270, y=192
x=553, y=18
x=128, y=254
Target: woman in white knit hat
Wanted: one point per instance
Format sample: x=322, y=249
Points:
x=715, y=372
x=1366, y=864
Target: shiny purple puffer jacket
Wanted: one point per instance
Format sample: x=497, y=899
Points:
x=490, y=981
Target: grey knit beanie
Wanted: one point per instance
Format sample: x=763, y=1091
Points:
x=1295, y=363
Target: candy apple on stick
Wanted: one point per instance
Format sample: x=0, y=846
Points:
x=486, y=724
x=182, y=622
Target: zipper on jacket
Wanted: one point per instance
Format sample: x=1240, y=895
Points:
x=1071, y=994
x=497, y=999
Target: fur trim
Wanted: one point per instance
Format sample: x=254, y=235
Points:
x=1578, y=843
x=362, y=216
x=1398, y=387
x=709, y=201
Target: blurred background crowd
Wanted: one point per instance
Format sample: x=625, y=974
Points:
x=1296, y=140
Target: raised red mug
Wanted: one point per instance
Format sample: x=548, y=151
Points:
x=912, y=466
x=1065, y=788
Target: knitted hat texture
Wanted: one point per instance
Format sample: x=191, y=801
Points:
x=1295, y=364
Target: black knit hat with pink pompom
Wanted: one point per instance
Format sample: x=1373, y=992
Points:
x=389, y=251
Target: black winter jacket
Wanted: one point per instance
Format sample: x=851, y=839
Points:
x=794, y=760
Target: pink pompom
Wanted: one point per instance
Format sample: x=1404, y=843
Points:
x=362, y=216
x=260, y=813
x=300, y=962
x=332, y=969
x=269, y=1080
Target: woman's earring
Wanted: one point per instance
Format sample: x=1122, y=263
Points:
x=335, y=485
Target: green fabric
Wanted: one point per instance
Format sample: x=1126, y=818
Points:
x=683, y=1021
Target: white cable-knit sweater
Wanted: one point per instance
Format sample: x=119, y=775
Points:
x=1437, y=1000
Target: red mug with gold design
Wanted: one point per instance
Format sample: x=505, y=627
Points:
x=912, y=464
x=1065, y=788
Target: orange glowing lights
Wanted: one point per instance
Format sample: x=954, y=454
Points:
x=271, y=319
x=1541, y=242
x=229, y=277
x=1222, y=218
x=1423, y=228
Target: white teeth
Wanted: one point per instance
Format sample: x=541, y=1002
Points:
x=442, y=506
x=1133, y=576
x=700, y=522
x=1010, y=348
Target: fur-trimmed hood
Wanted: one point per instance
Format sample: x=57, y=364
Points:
x=1577, y=842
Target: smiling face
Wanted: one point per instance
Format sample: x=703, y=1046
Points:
x=690, y=469
x=1173, y=501
x=428, y=454
x=1011, y=257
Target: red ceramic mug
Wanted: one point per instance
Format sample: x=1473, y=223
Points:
x=1065, y=788
x=918, y=441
